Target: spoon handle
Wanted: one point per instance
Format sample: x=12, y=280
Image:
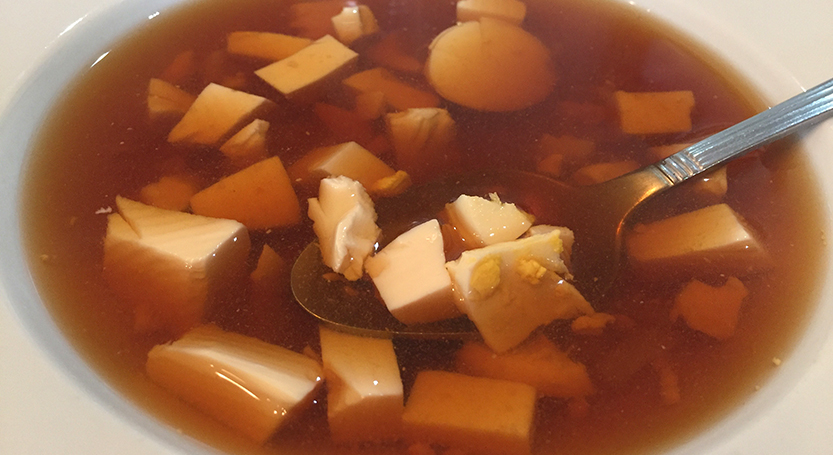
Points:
x=775, y=123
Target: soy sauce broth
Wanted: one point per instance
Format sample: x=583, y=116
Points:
x=98, y=144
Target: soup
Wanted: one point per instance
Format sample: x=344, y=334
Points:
x=99, y=144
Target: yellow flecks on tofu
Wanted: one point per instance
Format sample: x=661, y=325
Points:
x=480, y=221
x=655, y=112
x=392, y=185
x=247, y=384
x=298, y=75
x=265, y=45
x=388, y=52
x=602, y=172
x=711, y=310
x=348, y=159
x=354, y=22
x=476, y=415
x=344, y=219
x=259, y=196
x=167, y=100
x=423, y=139
x=714, y=235
x=415, y=253
x=485, y=277
x=490, y=65
x=538, y=362
x=171, y=192
x=511, y=11
x=365, y=398
x=530, y=270
x=171, y=266
x=216, y=113
x=247, y=146
x=398, y=94
x=502, y=304
x=592, y=324
x=314, y=19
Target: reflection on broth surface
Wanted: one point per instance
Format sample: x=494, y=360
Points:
x=654, y=380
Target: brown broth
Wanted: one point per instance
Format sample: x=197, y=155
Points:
x=98, y=143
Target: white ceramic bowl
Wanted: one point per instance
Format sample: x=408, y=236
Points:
x=50, y=402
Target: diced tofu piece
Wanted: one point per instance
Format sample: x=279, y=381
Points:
x=169, y=192
x=354, y=22
x=247, y=146
x=538, y=363
x=511, y=11
x=480, y=222
x=711, y=310
x=264, y=45
x=477, y=415
x=314, y=19
x=592, y=324
x=217, y=112
x=552, y=165
x=167, y=100
x=655, y=112
x=490, y=65
x=344, y=220
x=247, y=384
x=345, y=125
x=713, y=238
x=266, y=277
x=299, y=75
x=349, y=159
x=388, y=52
x=181, y=68
x=573, y=149
x=365, y=397
x=416, y=253
x=423, y=139
x=392, y=185
x=171, y=266
x=259, y=196
x=713, y=184
x=602, y=172
x=371, y=105
x=400, y=95
x=508, y=289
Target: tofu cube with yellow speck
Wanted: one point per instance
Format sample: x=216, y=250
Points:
x=480, y=221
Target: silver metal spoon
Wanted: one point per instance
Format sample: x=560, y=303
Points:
x=595, y=213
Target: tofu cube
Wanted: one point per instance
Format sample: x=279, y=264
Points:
x=264, y=45
x=537, y=362
x=348, y=159
x=171, y=192
x=247, y=384
x=298, y=76
x=365, y=398
x=371, y=105
x=171, y=266
x=655, y=112
x=508, y=289
x=511, y=11
x=416, y=253
x=354, y=22
x=344, y=219
x=480, y=222
x=216, y=114
x=167, y=100
x=711, y=310
x=247, y=146
x=713, y=238
x=398, y=94
x=602, y=172
x=423, y=139
x=476, y=415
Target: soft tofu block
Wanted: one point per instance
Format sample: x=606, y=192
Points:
x=508, y=289
x=348, y=159
x=247, y=384
x=365, y=398
x=416, y=253
x=480, y=221
x=167, y=100
x=216, y=114
x=298, y=75
x=259, y=196
x=170, y=266
x=422, y=139
x=476, y=415
x=371, y=105
x=537, y=362
x=354, y=22
x=713, y=310
x=265, y=45
x=511, y=11
x=602, y=172
x=655, y=112
x=715, y=239
x=344, y=219
x=400, y=95
x=247, y=146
